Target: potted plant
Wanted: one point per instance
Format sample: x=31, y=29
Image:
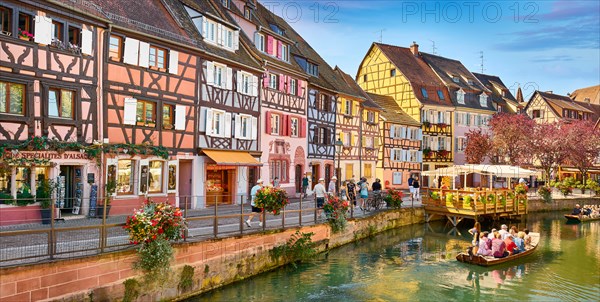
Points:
x=426, y=124
x=450, y=200
x=109, y=189
x=467, y=199
x=426, y=152
x=25, y=35
x=393, y=199
x=271, y=199
x=44, y=197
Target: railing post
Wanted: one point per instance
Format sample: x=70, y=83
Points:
x=51, y=247
x=300, y=212
x=264, y=220
x=316, y=209
x=215, y=219
x=283, y=217
x=185, y=210
x=241, y=214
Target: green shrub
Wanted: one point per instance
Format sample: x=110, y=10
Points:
x=187, y=278
x=299, y=248
x=155, y=257
x=545, y=193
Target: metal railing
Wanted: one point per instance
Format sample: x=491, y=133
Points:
x=68, y=236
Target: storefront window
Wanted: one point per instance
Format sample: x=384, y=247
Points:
x=125, y=177
x=23, y=178
x=5, y=181
x=155, y=179
x=41, y=173
x=172, y=184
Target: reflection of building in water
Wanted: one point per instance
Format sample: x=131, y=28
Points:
x=555, y=230
x=591, y=242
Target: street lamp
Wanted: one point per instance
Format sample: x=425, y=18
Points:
x=338, y=150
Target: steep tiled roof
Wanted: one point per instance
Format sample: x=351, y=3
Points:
x=367, y=102
x=591, y=94
x=495, y=84
x=520, y=98
x=391, y=111
x=418, y=73
x=560, y=102
x=84, y=6
x=447, y=69
x=327, y=78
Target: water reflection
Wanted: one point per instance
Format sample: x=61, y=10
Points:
x=418, y=263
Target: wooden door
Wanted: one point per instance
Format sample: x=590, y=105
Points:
x=298, y=175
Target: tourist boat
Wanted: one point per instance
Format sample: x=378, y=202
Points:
x=578, y=219
x=489, y=260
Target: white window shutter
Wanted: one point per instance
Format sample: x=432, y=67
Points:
x=130, y=53
x=180, y=117
x=144, y=54
x=448, y=117
x=227, y=128
x=403, y=132
x=43, y=30
x=204, y=23
x=236, y=40
x=254, y=86
x=392, y=131
x=209, y=122
x=210, y=73
x=393, y=155
x=420, y=134
x=420, y=156
x=229, y=79
x=219, y=34
x=143, y=162
x=130, y=111
x=173, y=62
x=237, y=125
x=448, y=144
x=456, y=141
x=238, y=76
x=255, y=128
x=87, y=41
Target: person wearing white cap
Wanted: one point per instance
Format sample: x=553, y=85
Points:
x=331, y=189
x=320, y=193
x=503, y=231
x=258, y=186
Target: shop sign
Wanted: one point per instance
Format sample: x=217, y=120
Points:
x=49, y=155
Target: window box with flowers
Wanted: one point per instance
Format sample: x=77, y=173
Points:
x=336, y=211
x=25, y=35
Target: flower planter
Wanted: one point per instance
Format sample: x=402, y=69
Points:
x=46, y=216
x=100, y=211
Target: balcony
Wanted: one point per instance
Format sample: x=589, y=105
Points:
x=437, y=156
x=437, y=128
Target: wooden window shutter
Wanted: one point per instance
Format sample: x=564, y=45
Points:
x=210, y=73
x=281, y=82
x=456, y=141
x=289, y=126
x=204, y=23
x=237, y=126
x=448, y=143
x=376, y=142
x=269, y=45
x=448, y=118
x=227, y=125
x=236, y=40
x=131, y=50
x=180, y=117
x=87, y=42
x=303, y=127
x=229, y=79
x=278, y=49
x=144, y=54
x=238, y=77
x=392, y=131
x=266, y=80
x=43, y=30
x=130, y=111
x=254, y=128
x=299, y=89
x=254, y=86
x=173, y=62
x=268, y=122
x=209, y=121
x=288, y=82
x=219, y=34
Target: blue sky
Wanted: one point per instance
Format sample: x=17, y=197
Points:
x=543, y=45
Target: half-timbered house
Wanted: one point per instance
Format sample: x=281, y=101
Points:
x=50, y=59
x=400, y=153
x=403, y=74
x=357, y=126
x=547, y=107
x=283, y=88
x=229, y=107
x=502, y=99
x=473, y=102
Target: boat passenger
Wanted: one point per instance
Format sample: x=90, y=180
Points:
x=484, y=245
x=520, y=242
x=527, y=238
x=491, y=235
x=498, y=246
x=510, y=244
x=476, y=232
x=513, y=230
x=503, y=231
x=576, y=210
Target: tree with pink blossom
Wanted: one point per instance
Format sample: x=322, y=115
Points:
x=478, y=146
x=512, y=136
x=582, y=142
x=548, y=146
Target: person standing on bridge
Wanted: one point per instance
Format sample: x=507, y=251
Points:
x=258, y=186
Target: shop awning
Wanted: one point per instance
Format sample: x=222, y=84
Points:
x=232, y=158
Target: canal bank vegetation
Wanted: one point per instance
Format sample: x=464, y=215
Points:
x=299, y=248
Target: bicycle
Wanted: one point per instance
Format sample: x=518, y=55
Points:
x=374, y=202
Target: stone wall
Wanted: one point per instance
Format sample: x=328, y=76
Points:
x=537, y=205
x=216, y=263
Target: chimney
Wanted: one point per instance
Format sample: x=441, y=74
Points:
x=550, y=92
x=414, y=48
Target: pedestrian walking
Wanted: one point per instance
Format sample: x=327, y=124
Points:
x=364, y=192
x=410, y=186
x=351, y=187
x=344, y=191
x=416, y=190
x=331, y=189
x=320, y=193
x=276, y=182
x=258, y=186
x=304, y=184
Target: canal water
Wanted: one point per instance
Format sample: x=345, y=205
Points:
x=417, y=263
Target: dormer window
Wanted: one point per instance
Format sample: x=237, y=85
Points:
x=393, y=72
x=312, y=69
x=225, y=3
x=483, y=98
x=424, y=93
x=503, y=93
x=455, y=79
x=276, y=29
x=470, y=82
x=214, y=32
x=460, y=96
x=247, y=13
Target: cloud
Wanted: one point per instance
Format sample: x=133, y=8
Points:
x=557, y=58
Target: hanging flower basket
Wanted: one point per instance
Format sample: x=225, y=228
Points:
x=153, y=221
x=271, y=199
x=393, y=199
x=336, y=210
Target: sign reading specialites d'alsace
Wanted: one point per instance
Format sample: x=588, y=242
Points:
x=46, y=155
